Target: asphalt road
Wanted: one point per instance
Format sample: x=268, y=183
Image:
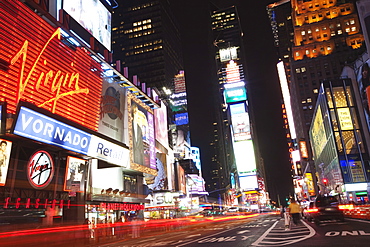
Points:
x=265, y=230
x=257, y=230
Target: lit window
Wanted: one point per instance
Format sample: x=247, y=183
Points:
x=307, y=52
x=340, y=31
x=303, y=102
x=317, y=29
x=303, y=69
x=329, y=48
x=353, y=29
x=352, y=21
x=347, y=30
x=309, y=100
x=297, y=54
x=323, y=28
x=304, y=107
x=298, y=70
x=303, y=32
x=315, y=90
x=338, y=24
x=310, y=107
x=309, y=31
x=314, y=51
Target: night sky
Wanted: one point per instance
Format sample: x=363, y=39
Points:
x=264, y=91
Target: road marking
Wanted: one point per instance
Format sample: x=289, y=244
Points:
x=241, y=232
x=219, y=240
x=194, y=235
x=346, y=233
x=285, y=242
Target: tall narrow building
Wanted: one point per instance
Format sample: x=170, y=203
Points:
x=146, y=40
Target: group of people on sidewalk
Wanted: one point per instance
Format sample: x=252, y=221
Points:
x=294, y=211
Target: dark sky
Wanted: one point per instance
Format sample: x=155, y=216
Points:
x=264, y=91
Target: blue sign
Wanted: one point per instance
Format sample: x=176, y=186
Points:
x=36, y=126
x=181, y=118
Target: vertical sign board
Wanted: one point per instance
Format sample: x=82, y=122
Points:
x=142, y=140
x=5, y=148
x=39, y=68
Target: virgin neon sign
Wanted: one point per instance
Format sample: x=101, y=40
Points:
x=39, y=68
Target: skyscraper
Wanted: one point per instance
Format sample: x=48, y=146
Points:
x=146, y=40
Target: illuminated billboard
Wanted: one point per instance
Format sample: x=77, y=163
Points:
x=5, y=148
x=235, y=92
x=180, y=141
x=245, y=158
x=232, y=72
x=160, y=123
x=228, y=54
x=142, y=142
x=178, y=102
x=318, y=133
x=75, y=174
x=93, y=16
x=33, y=71
x=112, y=108
x=181, y=118
x=240, y=122
x=37, y=126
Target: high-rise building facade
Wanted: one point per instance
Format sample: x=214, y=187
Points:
x=146, y=40
x=323, y=36
x=327, y=35
x=234, y=118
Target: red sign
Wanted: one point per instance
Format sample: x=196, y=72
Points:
x=40, y=170
x=36, y=66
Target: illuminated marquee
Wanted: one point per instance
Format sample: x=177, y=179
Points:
x=38, y=67
x=36, y=126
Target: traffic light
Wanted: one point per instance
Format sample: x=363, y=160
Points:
x=325, y=181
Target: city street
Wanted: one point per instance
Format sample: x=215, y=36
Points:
x=265, y=230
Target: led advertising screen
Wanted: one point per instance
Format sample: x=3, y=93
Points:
x=39, y=68
x=235, y=92
x=180, y=141
x=160, y=123
x=318, y=133
x=228, y=54
x=178, y=102
x=240, y=122
x=112, y=108
x=75, y=174
x=181, y=118
x=245, y=157
x=5, y=148
x=93, y=16
x=142, y=132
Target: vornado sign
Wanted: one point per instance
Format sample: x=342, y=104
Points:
x=36, y=126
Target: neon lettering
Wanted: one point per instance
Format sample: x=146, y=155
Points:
x=18, y=202
x=55, y=80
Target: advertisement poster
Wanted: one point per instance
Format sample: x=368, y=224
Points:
x=5, y=148
x=75, y=174
x=143, y=142
x=112, y=107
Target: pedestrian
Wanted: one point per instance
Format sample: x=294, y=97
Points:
x=295, y=211
x=287, y=221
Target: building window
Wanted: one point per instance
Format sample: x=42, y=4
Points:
x=352, y=21
x=307, y=52
x=347, y=30
x=340, y=31
x=303, y=69
x=297, y=54
x=315, y=90
x=309, y=100
x=298, y=70
x=303, y=32
x=353, y=29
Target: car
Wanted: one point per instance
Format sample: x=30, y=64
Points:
x=324, y=208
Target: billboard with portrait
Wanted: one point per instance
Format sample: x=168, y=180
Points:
x=75, y=174
x=160, y=123
x=240, y=122
x=363, y=79
x=181, y=141
x=142, y=134
x=5, y=148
